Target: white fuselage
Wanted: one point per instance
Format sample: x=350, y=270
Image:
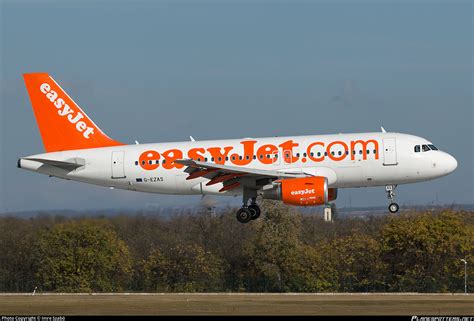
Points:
x=347, y=160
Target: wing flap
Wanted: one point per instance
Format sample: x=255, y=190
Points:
x=233, y=176
x=226, y=169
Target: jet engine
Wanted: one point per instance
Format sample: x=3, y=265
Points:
x=305, y=191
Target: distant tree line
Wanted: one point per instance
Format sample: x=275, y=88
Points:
x=284, y=251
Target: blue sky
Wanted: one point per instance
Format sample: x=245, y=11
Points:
x=163, y=70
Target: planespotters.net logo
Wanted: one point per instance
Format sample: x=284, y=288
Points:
x=416, y=318
x=303, y=192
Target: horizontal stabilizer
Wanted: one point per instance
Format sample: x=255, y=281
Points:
x=69, y=165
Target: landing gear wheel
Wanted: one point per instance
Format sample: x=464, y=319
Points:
x=244, y=215
x=389, y=189
x=393, y=207
x=255, y=211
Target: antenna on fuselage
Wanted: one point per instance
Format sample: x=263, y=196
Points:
x=383, y=129
x=192, y=138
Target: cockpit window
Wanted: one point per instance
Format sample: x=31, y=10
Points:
x=424, y=148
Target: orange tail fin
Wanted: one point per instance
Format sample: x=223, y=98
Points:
x=62, y=123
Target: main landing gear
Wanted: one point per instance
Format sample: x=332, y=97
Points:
x=254, y=210
x=248, y=213
x=393, y=207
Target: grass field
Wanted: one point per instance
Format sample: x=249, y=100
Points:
x=237, y=304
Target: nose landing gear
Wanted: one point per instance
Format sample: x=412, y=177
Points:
x=393, y=207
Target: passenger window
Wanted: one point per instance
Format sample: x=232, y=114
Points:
x=417, y=148
x=136, y=163
x=425, y=148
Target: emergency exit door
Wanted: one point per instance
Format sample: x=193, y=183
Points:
x=118, y=170
x=389, y=151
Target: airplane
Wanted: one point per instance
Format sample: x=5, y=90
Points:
x=298, y=170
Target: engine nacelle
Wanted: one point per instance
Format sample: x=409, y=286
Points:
x=332, y=194
x=305, y=191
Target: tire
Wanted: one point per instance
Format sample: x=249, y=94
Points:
x=254, y=211
x=244, y=215
x=393, y=207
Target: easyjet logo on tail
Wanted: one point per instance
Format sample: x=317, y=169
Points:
x=64, y=110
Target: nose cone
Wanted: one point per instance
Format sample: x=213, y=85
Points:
x=449, y=164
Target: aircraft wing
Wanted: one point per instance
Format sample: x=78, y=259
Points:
x=233, y=176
